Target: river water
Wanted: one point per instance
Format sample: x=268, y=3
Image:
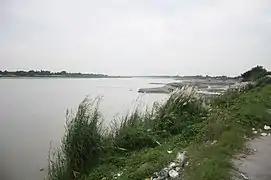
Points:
x=32, y=114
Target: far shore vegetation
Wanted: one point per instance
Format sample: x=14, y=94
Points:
x=43, y=73
x=256, y=72
x=211, y=132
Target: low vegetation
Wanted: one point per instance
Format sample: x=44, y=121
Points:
x=81, y=145
x=139, y=146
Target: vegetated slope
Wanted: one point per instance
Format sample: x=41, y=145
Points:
x=140, y=145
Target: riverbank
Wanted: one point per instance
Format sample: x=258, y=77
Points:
x=205, y=86
x=145, y=144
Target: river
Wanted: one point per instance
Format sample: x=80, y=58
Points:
x=32, y=114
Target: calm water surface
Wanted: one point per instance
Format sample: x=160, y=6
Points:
x=32, y=113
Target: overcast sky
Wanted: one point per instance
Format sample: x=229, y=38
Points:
x=136, y=37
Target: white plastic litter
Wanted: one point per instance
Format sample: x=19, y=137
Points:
x=266, y=127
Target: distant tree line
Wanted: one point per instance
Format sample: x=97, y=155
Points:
x=43, y=73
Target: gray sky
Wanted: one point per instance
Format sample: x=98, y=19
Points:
x=136, y=37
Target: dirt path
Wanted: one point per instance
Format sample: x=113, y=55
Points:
x=256, y=165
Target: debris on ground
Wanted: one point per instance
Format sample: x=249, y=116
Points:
x=173, y=169
x=266, y=127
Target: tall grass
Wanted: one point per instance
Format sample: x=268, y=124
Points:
x=57, y=167
x=82, y=143
x=179, y=113
x=133, y=132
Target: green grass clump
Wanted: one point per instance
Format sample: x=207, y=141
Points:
x=180, y=114
x=133, y=133
x=82, y=143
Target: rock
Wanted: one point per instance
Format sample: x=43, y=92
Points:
x=178, y=169
x=169, y=152
x=172, y=170
x=118, y=174
x=156, y=174
x=214, y=142
x=75, y=173
x=163, y=173
x=245, y=137
x=41, y=169
x=255, y=132
x=172, y=165
x=253, y=129
x=263, y=134
x=181, y=158
x=266, y=127
x=173, y=174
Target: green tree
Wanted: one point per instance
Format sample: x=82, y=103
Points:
x=254, y=74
